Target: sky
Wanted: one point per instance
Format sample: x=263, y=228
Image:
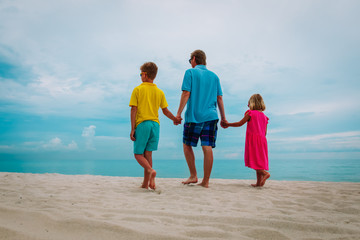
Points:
x=67, y=70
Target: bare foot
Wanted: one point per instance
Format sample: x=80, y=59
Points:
x=190, y=180
x=259, y=179
x=205, y=185
x=265, y=177
x=144, y=186
x=152, y=179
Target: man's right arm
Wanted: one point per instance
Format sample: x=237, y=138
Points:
x=183, y=100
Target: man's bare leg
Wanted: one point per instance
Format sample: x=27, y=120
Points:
x=208, y=163
x=146, y=165
x=190, y=159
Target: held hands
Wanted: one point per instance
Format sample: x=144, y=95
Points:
x=224, y=123
x=177, y=120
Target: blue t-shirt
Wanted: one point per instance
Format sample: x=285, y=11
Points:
x=204, y=87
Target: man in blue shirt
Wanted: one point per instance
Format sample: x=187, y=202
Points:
x=202, y=94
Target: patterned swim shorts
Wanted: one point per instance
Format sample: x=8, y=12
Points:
x=207, y=132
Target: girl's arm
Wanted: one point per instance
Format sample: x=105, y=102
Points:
x=241, y=122
x=266, y=131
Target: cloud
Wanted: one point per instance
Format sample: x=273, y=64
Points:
x=80, y=60
x=5, y=147
x=111, y=138
x=89, y=133
x=341, y=141
x=56, y=144
x=233, y=155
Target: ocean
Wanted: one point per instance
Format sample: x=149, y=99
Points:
x=284, y=170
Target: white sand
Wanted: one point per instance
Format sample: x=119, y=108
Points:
x=53, y=206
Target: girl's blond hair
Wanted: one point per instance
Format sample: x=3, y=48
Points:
x=256, y=102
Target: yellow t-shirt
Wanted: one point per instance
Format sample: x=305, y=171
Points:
x=147, y=97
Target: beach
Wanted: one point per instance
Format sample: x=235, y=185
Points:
x=55, y=206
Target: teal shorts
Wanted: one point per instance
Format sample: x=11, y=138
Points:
x=147, y=137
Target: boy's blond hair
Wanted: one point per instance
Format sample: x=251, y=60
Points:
x=256, y=102
x=200, y=57
x=150, y=69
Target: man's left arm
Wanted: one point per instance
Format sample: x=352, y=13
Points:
x=220, y=103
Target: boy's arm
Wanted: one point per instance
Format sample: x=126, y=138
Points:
x=167, y=113
x=133, y=118
x=183, y=100
x=240, y=123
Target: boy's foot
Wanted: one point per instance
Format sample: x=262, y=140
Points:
x=265, y=177
x=152, y=179
x=255, y=185
x=190, y=180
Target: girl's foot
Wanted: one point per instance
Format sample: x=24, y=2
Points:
x=264, y=178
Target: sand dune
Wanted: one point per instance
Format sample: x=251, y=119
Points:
x=53, y=206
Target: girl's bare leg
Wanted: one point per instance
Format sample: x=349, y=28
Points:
x=265, y=176
x=258, y=179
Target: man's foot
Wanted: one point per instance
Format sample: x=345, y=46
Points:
x=204, y=184
x=144, y=186
x=265, y=177
x=190, y=180
x=255, y=185
x=152, y=179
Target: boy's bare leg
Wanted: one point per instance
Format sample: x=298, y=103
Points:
x=148, y=156
x=152, y=180
x=258, y=179
x=208, y=163
x=145, y=164
x=145, y=183
x=265, y=176
x=190, y=159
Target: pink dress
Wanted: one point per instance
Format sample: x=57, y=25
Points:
x=256, y=149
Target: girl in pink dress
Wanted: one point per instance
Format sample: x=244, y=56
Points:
x=256, y=150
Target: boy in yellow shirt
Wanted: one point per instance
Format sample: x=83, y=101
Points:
x=145, y=101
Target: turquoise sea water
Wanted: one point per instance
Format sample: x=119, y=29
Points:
x=288, y=170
